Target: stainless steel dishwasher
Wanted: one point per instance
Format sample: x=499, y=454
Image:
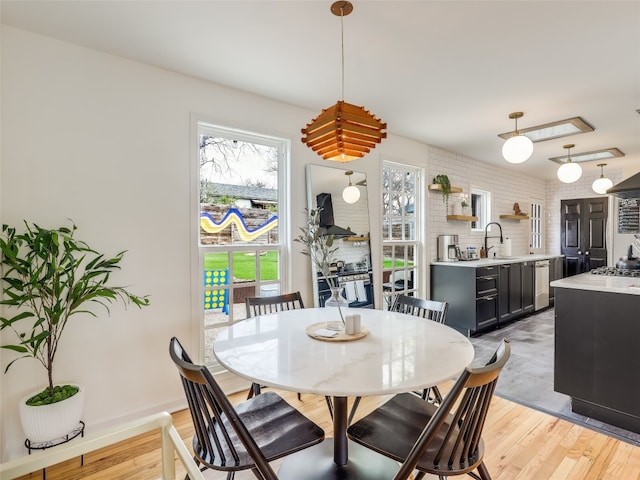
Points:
x=542, y=285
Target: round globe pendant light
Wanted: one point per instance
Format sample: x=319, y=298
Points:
x=350, y=194
x=569, y=172
x=602, y=184
x=518, y=148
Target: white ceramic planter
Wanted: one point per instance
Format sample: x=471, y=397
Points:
x=49, y=422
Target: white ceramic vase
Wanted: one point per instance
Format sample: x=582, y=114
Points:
x=46, y=423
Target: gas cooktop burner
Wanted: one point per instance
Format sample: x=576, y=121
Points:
x=617, y=272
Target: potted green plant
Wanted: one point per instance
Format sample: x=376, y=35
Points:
x=48, y=277
x=445, y=184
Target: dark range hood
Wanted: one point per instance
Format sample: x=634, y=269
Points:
x=327, y=226
x=629, y=188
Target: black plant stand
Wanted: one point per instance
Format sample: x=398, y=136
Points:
x=79, y=430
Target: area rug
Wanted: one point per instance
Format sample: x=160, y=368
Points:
x=527, y=378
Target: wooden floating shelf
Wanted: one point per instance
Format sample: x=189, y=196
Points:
x=514, y=217
x=463, y=218
x=355, y=239
x=438, y=187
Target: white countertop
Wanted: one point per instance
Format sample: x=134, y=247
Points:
x=400, y=353
x=600, y=283
x=483, y=262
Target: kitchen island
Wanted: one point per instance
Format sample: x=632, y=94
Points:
x=597, y=339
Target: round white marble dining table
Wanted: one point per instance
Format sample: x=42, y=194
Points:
x=400, y=353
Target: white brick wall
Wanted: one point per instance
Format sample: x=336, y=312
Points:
x=506, y=188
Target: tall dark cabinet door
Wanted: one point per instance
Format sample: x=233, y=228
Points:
x=583, y=233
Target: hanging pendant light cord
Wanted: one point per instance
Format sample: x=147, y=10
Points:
x=569, y=154
x=342, y=46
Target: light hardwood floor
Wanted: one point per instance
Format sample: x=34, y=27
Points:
x=521, y=444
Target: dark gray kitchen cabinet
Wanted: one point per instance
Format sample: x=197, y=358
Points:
x=470, y=292
x=484, y=297
x=556, y=272
x=515, y=289
x=503, y=292
x=596, y=354
x=487, y=299
x=472, y=295
x=528, y=286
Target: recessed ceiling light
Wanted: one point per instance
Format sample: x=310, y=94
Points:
x=590, y=156
x=548, y=131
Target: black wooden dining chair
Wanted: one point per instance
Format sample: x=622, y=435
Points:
x=248, y=436
x=442, y=440
x=264, y=305
x=275, y=303
x=432, y=310
x=429, y=309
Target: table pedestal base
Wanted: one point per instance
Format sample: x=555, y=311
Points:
x=316, y=463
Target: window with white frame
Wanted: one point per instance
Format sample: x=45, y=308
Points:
x=536, y=226
x=401, y=237
x=480, y=208
x=242, y=238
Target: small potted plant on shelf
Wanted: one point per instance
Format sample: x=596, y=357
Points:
x=465, y=206
x=445, y=184
x=49, y=277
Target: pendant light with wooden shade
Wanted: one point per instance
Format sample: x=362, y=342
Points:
x=343, y=132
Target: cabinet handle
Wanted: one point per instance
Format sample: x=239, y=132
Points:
x=491, y=297
x=487, y=277
x=587, y=252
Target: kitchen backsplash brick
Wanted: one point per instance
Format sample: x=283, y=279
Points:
x=506, y=189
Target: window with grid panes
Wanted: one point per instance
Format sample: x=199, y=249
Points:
x=400, y=230
x=536, y=226
x=242, y=236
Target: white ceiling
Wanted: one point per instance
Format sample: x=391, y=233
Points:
x=447, y=73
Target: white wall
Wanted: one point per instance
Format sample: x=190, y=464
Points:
x=106, y=141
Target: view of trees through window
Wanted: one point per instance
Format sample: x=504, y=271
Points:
x=240, y=239
x=400, y=235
